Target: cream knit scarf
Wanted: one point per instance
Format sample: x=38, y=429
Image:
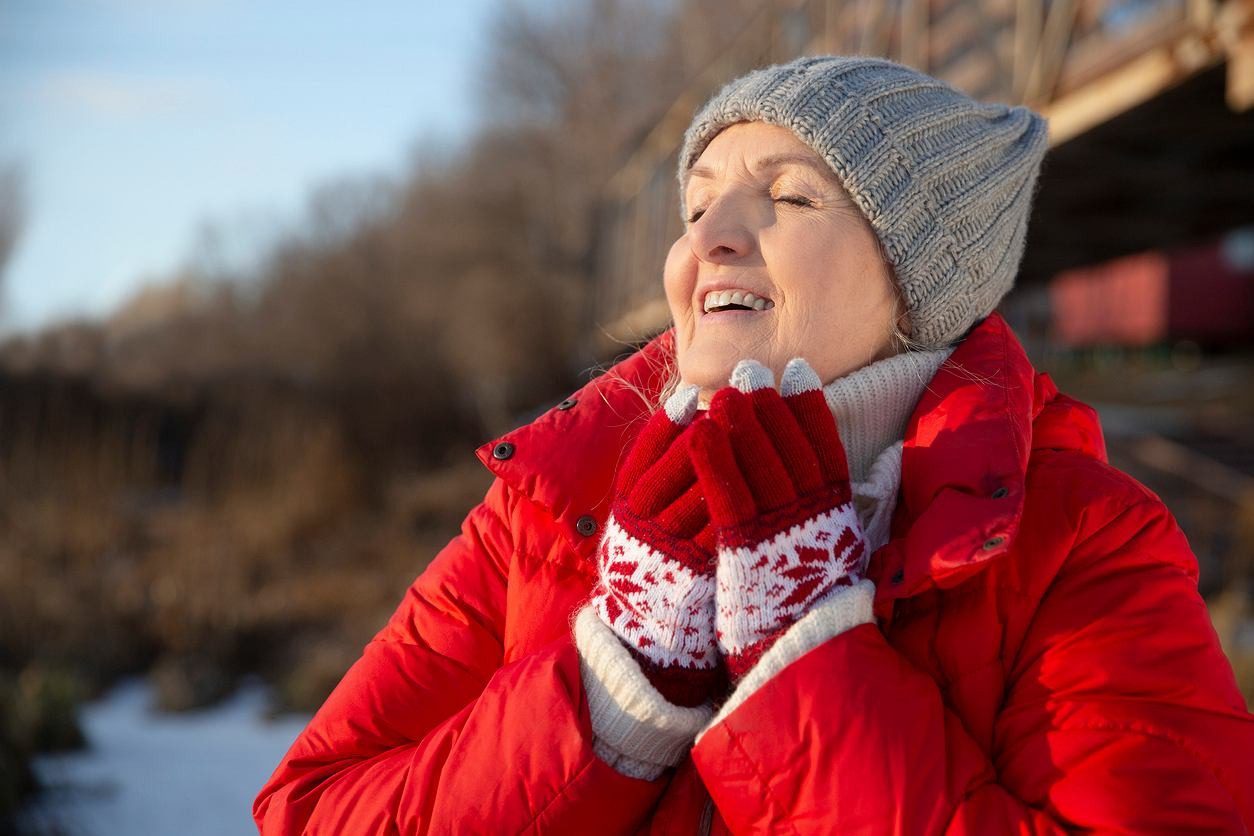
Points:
x=872, y=406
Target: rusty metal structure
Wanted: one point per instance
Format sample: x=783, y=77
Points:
x=1123, y=66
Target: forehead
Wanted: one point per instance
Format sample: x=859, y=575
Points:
x=757, y=147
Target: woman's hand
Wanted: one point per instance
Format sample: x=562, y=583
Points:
x=656, y=561
x=776, y=482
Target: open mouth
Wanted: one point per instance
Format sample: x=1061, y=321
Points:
x=717, y=301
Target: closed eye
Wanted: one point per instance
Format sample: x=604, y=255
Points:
x=794, y=200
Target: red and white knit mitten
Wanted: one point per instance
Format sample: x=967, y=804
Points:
x=656, y=561
x=776, y=482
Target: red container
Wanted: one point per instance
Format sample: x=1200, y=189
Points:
x=1203, y=293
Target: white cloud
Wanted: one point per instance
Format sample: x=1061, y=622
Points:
x=119, y=95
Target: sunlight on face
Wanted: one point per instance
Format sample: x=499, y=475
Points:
x=768, y=216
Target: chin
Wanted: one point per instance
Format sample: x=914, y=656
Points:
x=711, y=373
x=707, y=382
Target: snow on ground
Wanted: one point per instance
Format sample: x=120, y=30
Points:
x=151, y=773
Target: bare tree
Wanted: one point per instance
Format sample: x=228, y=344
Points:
x=12, y=211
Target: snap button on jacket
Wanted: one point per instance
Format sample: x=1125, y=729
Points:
x=1041, y=662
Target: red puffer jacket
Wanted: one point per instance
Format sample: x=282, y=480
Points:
x=1042, y=661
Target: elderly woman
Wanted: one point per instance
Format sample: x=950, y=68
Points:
x=859, y=568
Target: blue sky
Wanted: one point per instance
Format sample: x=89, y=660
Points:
x=136, y=120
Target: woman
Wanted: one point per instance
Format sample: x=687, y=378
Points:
x=864, y=571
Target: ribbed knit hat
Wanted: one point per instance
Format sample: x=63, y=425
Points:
x=946, y=181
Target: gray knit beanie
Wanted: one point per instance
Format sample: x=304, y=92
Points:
x=947, y=182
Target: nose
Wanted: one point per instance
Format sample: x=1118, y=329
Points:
x=721, y=234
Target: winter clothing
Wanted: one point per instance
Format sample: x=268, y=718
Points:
x=656, y=568
x=946, y=181
x=772, y=467
x=872, y=404
x=1040, y=660
x=635, y=729
x=632, y=724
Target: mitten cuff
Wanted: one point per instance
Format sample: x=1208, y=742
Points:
x=846, y=608
x=636, y=730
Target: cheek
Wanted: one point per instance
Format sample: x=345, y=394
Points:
x=835, y=272
x=830, y=279
x=679, y=278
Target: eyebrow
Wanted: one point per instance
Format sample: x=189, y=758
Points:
x=769, y=161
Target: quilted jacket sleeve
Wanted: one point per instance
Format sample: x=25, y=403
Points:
x=1120, y=715
x=430, y=732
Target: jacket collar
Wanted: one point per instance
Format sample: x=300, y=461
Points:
x=964, y=456
x=566, y=458
x=965, y=459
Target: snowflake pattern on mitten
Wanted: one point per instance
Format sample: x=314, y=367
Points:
x=655, y=561
x=777, y=484
x=764, y=588
x=658, y=605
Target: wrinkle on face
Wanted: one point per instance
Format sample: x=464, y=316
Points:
x=820, y=264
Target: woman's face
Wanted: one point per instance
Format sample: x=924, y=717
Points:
x=766, y=215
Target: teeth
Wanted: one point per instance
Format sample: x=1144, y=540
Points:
x=719, y=298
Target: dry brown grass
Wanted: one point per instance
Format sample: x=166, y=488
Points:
x=272, y=554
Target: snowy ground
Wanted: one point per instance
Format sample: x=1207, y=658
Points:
x=149, y=773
